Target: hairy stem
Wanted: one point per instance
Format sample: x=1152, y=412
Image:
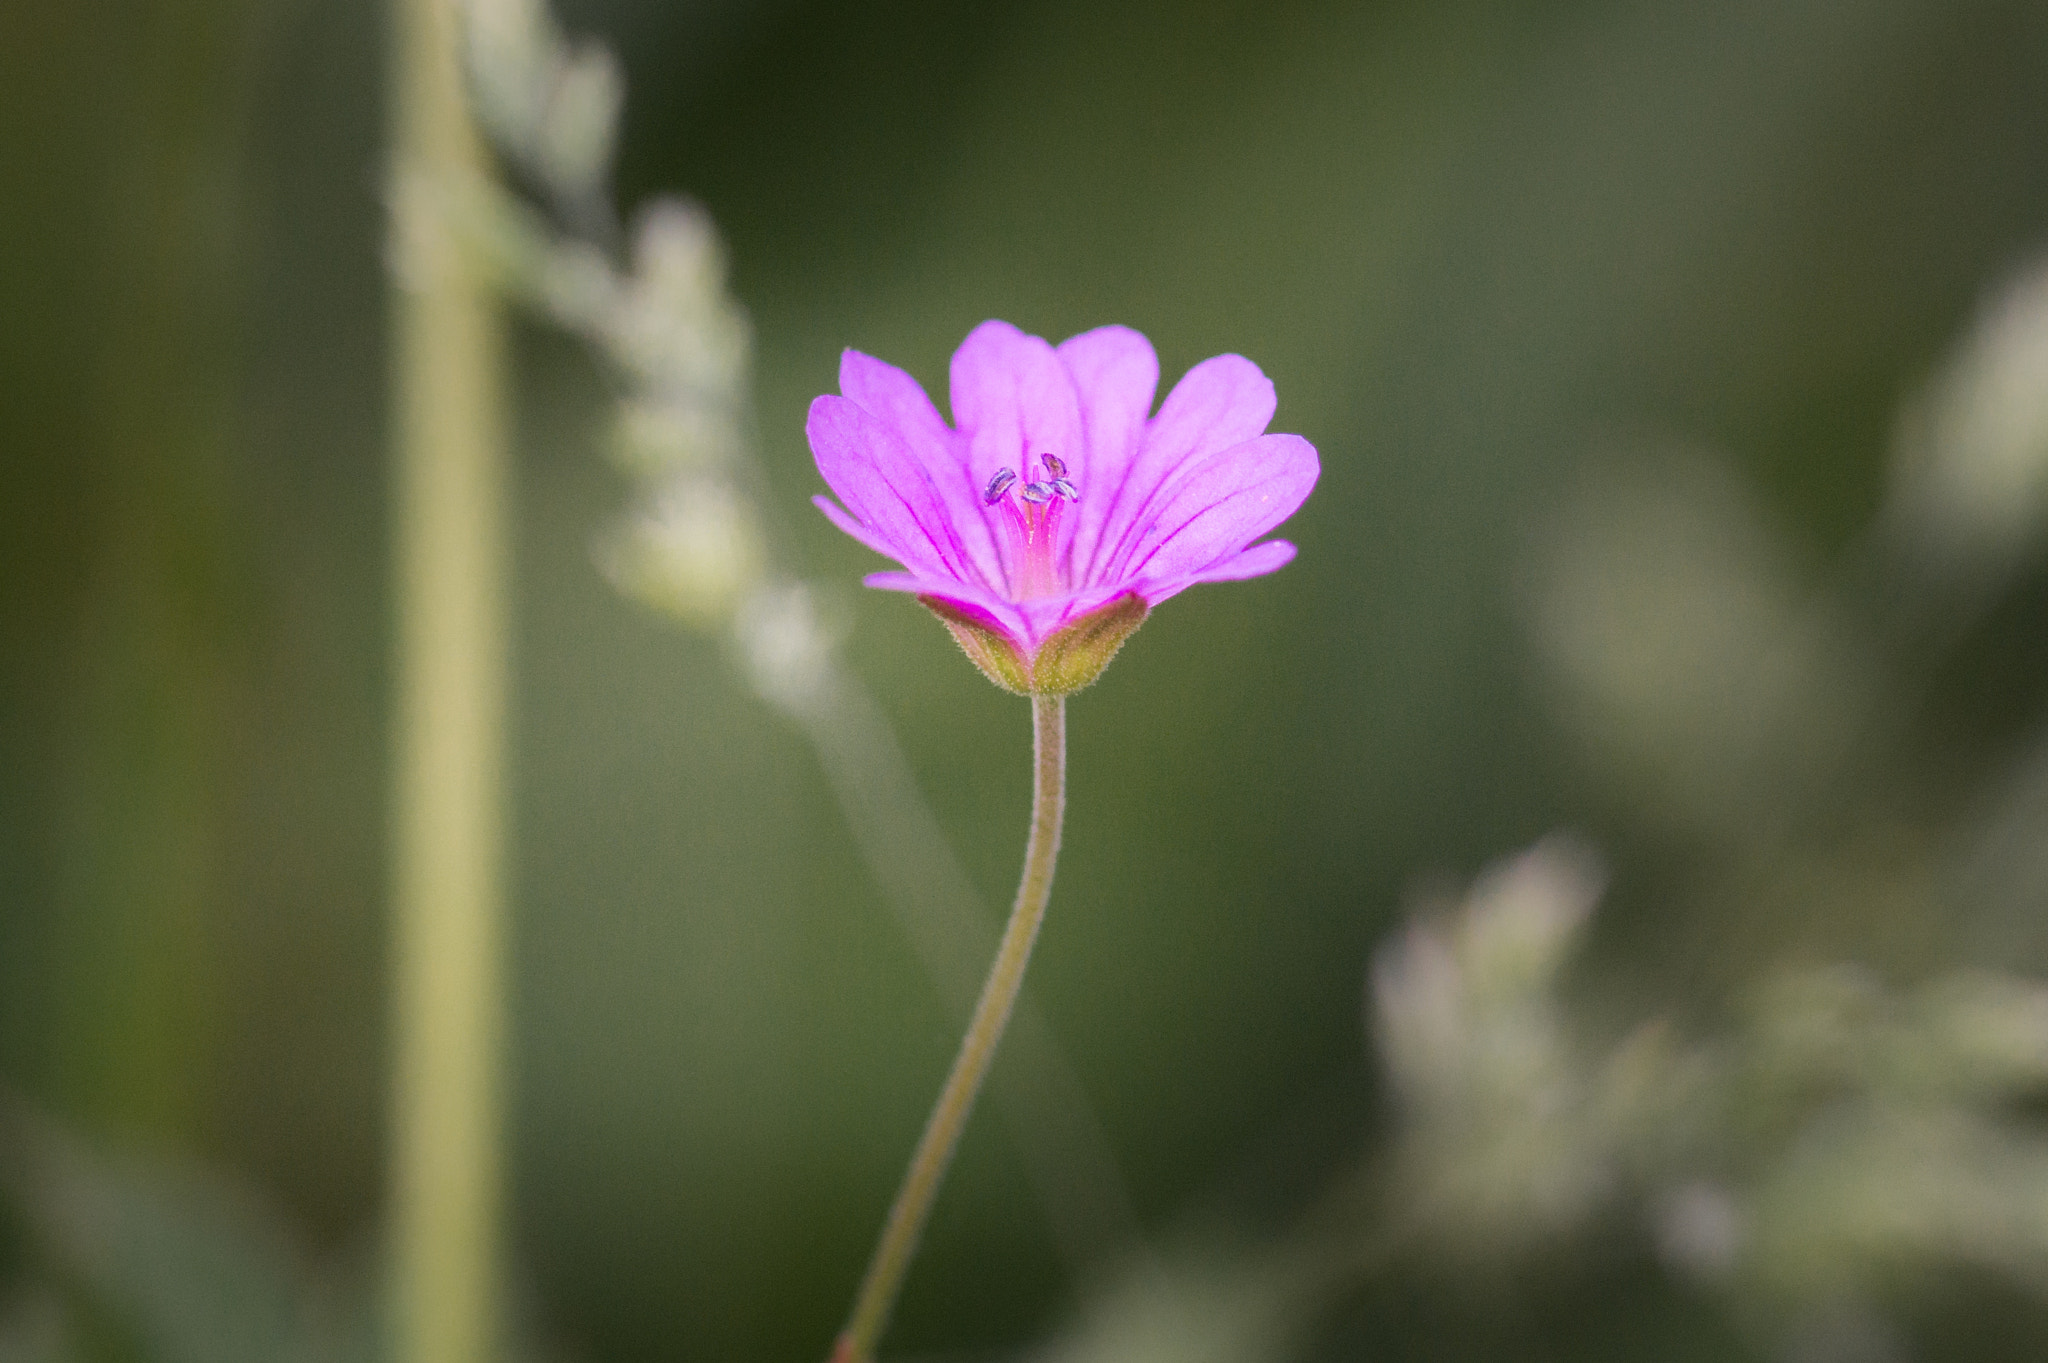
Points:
x=1044, y=1108
x=884, y=1280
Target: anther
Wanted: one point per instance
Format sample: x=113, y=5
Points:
x=1037, y=492
x=998, y=485
x=1065, y=489
x=1055, y=466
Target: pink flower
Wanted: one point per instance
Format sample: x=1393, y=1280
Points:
x=1053, y=515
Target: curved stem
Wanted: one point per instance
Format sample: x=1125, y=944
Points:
x=1045, y=1110
x=878, y=1290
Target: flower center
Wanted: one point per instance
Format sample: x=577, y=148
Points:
x=1031, y=520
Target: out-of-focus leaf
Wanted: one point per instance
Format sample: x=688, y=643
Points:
x=191, y=1269
x=182, y=1266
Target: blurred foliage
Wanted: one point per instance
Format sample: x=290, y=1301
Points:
x=1791, y=690
x=126, y=591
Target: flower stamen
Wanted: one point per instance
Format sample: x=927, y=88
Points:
x=1055, y=483
x=1033, y=527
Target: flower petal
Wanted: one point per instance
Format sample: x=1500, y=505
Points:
x=1028, y=623
x=846, y=521
x=1001, y=616
x=1115, y=375
x=891, y=492
x=899, y=402
x=1012, y=401
x=1256, y=561
x=1209, y=511
x=1221, y=402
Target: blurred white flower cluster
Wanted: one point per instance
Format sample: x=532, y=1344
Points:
x=693, y=545
x=1836, y=1135
x=1501, y=1138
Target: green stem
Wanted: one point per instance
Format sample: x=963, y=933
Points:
x=450, y=578
x=884, y=1280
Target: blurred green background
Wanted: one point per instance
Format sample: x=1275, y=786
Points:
x=1476, y=245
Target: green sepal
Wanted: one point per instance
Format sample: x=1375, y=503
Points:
x=1067, y=661
x=998, y=660
x=1074, y=656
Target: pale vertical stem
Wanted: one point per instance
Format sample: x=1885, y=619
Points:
x=450, y=570
x=878, y=1290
